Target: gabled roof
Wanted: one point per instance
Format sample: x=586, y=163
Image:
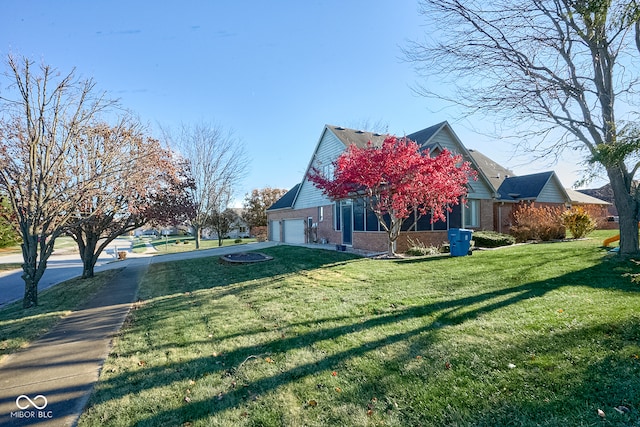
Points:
x=494, y=172
x=527, y=187
x=286, y=201
x=581, y=198
x=423, y=136
x=358, y=137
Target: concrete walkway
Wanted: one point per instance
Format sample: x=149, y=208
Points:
x=49, y=383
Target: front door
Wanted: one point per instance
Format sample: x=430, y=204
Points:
x=347, y=223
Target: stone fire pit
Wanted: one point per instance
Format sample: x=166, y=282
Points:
x=246, y=257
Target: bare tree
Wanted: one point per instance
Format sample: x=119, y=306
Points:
x=217, y=163
x=559, y=72
x=43, y=113
x=140, y=182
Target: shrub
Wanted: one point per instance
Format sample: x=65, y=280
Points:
x=238, y=241
x=417, y=248
x=578, y=222
x=537, y=223
x=492, y=239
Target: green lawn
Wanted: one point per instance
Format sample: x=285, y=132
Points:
x=173, y=244
x=542, y=334
x=18, y=326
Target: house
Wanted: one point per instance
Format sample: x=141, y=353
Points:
x=306, y=215
x=238, y=230
x=545, y=189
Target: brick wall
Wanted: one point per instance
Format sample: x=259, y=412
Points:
x=486, y=215
x=324, y=228
x=378, y=241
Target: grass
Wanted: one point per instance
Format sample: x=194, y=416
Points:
x=529, y=335
x=18, y=326
x=174, y=244
x=10, y=266
x=63, y=243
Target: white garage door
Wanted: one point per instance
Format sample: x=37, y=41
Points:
x=274, y=231
x=294, y=231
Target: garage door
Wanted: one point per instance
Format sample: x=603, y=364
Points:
x=294, y=231
x=274, y=231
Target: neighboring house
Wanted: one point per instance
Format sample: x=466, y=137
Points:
x=545, y=189
x=305, y=215
x=239, y=230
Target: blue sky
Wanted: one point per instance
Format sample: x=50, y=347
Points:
x=273, y=71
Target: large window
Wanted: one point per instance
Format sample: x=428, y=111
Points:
x=358, y=215
x=471, y=213
x=372, y=221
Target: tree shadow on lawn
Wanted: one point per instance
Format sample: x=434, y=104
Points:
x=435, y=317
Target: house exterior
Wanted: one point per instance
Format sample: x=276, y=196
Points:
x=239, y=229
x=542, y=188
x=306, y=215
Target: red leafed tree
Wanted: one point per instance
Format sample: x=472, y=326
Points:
x=397, y=179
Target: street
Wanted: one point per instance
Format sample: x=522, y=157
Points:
x=59, y=268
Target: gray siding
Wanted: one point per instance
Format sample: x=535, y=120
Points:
x=477, y=189
x=551, y=193
x=329, y=148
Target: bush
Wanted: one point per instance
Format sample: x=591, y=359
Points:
x=537, y=223
x=492, y=239
x=578, y=222
x=237, y=241
x=417, y=248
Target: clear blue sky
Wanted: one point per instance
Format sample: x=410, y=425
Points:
x=273, y=71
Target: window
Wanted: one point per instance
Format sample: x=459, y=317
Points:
x=409, y=222
x=320, y=213
x=328, y=171
x=372, y=221
x=471, y=213
x=358, y=215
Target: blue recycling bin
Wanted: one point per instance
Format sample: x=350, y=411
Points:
x=459, y=241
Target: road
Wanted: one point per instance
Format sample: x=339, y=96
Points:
x=60, y=267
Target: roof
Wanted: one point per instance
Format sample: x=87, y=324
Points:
x=423, y=136
x=360, y=138
x=286, y=201
x=494, y=172
x=526, y=187
x=581, y=198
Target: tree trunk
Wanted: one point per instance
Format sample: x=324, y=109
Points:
x=30, y=269
x=393, y=232
x=627, y=211
x=89, y=259
x=220, y=240
x=87, y=243
x=196, y=232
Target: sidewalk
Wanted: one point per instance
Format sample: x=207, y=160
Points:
x=49, y=383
